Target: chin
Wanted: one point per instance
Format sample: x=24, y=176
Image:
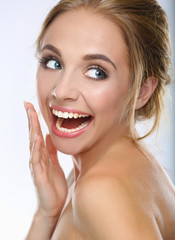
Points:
x=67, y=146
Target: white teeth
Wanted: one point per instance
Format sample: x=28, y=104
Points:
x=71, y=115
x=67, y=115
x=59, y=122
x=75, y=115
x=57, y=113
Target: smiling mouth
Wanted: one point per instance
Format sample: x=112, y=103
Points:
x=70, y=122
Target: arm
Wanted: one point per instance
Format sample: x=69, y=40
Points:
x=49, y=180
x=42, y=227
x=107, y=209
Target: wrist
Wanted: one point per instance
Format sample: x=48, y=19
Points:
x=45, y=216
x=44, y=222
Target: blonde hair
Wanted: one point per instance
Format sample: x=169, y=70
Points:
x=146, y=31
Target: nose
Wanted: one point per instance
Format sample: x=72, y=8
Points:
x=65, y=89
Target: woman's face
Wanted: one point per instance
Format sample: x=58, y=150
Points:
x=82, y=80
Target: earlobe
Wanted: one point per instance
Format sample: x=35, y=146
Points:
x=146, y=91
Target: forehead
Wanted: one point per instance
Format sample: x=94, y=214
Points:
x=89, y=32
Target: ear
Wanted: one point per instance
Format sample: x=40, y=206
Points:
x=146, y=91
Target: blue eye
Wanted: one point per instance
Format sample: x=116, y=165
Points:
x=96, y=73
x=51, y=63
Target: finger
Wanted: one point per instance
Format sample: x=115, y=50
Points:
x=35, y=124
x=51, y=151
x=35, y=162
x=31, y=168
x=28, y=106
x=34, y=127
x=30, y=111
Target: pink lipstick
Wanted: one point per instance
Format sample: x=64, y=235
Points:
x=69, y=123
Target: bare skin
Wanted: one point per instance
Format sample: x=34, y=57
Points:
x=156, y=217
x=115, y=191
x=150, y=213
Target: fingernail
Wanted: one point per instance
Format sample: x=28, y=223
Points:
x=35, y=137
x=28, y=112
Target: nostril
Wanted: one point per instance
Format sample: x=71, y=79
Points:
x=65, y=91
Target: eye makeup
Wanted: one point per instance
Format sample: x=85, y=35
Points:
x=50, y=62
x=96, y=72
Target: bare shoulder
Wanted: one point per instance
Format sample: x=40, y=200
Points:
x=107, y=208
x=116, y=199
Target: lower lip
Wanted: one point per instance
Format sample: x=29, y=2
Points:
x=69, y=135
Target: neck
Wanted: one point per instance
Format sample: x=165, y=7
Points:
x=87, y=159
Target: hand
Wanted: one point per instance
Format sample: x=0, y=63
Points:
x=48, y=176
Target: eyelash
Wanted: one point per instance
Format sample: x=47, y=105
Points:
x=44, y=61
x=100, y=69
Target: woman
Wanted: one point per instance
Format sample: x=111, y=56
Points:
x=103, y=65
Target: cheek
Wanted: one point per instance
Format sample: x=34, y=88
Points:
x=106, y=99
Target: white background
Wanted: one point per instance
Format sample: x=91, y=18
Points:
x=20, y=22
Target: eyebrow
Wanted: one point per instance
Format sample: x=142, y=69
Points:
x=51, y=48
x=99, y=56
x=86, y=58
